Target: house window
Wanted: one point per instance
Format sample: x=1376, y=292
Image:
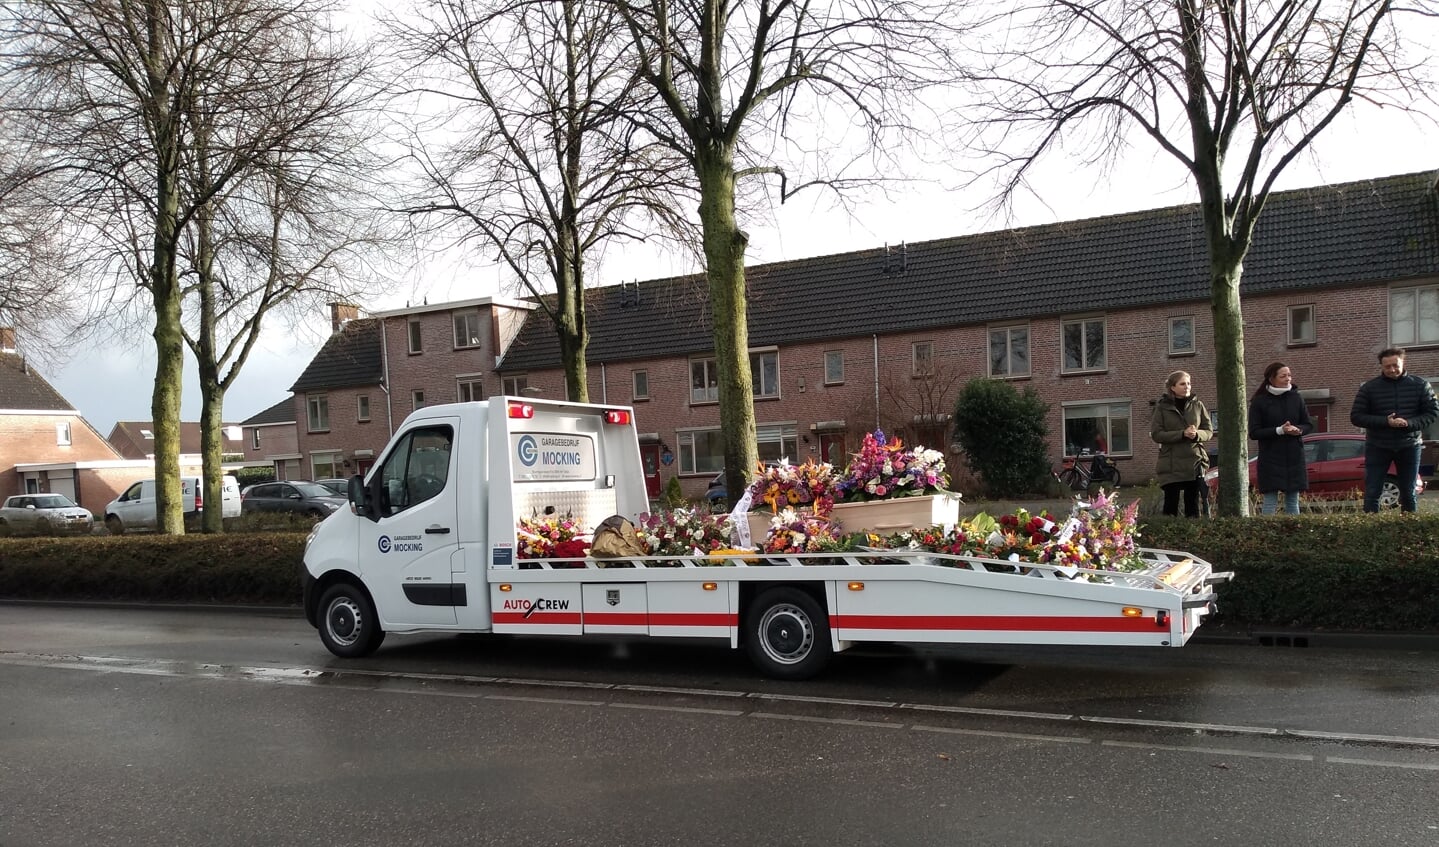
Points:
x=1301, y=325
x=515, y=386
x=417, y=399
x=467, y=329
x=325, y=465
x=1414, y=315
x=469, y=390
x=704, y=381
x=1181, y=336
x=833, y=367
x=701, y=451
x=776, y=441
x=62, y=434
x=415, y=344
x=255, y=439
x=362, y=408
x=1083, y=344
x=922, y=358
x=640, y=385
x=1009, y=351
x=318, y=406
x=1091, y=426
x=764, y=371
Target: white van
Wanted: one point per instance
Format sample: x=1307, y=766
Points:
x=135, y=509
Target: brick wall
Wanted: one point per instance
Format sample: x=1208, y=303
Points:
x=31, y=439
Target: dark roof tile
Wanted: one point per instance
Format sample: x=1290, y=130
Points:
x=281, y=412
x=23, y=389
x=351, y=356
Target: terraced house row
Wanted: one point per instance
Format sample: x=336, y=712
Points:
x=1092, y=314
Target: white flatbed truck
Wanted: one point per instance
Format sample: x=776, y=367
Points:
x=429, y=544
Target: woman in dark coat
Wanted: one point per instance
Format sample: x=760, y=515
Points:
x=1180, y=426
x=1279, y=422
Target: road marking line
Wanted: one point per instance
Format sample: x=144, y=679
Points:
x=996, y=713
x=823, y=701
x=775, y=716
x=696, y=692
x=1375, y=763
x=1206, y=727
x=1209, y=751
x=991, y=733
x=1357, y=737
x=729, y=713
x=552, y=700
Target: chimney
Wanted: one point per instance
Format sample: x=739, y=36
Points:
x=340, y=313
x=7, y=339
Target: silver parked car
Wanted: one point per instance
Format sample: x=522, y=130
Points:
x=44, y=514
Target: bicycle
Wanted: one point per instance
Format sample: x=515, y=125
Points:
x=1078, y=472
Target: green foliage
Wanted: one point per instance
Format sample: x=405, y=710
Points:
x=672, y=497
x=1355, y=572
x=254, y=476
x=1001, y=432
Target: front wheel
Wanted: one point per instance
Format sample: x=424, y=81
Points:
x=1389, y=496
x=787, y=634
x=113, y=525
x=349, y=626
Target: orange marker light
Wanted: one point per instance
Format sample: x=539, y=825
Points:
x=856, y=586
x=710, y=586
x=505, y=586
x=1132, y=612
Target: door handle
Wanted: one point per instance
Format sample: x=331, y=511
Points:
x=437, y=530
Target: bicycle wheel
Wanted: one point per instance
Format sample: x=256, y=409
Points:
x=1113, y=476
x=1070, y=478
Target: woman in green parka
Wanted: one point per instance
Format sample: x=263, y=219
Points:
x=1180, y=426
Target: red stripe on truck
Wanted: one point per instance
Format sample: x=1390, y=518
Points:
x=722, y=619
x=1008, y=623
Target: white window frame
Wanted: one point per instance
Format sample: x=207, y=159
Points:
x=62, y=434
x=515, y=385
x=417, y=399
x=834, y=367
x=1009, y=331
x=255, y=438
x=1417, y=296
x=640, y=384
x=1175, y=350
x=469, y=388
x=362, y=408
x=764, y=388
x=414, y=338
x=690, y=460
x=777, y=441
x=322, y=459
x=317, y=412
x=708, y=392
x=1111, y=408
x=1084, y=352
x=472, y=336
x=1290, y=314
x=921, y=358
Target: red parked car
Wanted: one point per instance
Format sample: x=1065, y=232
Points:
x=1336, y=471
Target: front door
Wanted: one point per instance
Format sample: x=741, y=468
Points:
x=831, y=448
x=650, y=457
x=416, y=537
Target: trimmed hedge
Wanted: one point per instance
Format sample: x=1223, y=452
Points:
x=1346, y=572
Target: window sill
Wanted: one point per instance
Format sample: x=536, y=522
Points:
x=1011, y=376
x=704, y=403
x=832, y=384
x=1182, y=354
x=317, y=431
x=415, y=352
x=639, y=399
x=467, y=347
x=1293, y=344
x=1091, y=372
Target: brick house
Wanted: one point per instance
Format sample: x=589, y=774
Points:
x=45, y=444
x=136, y=440
x=1091, y=314
x=270, y=439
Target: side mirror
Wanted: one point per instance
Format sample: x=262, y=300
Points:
x=359, y=497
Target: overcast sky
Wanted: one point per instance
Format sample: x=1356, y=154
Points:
x=107, y=385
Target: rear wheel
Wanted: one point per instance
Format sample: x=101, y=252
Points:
x=42, y=527
x=787, y=634
x=1113, y=476
x=4, y=527
x=349, y=626
x=113, y=525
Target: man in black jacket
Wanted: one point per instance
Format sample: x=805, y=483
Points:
x=1393, y=408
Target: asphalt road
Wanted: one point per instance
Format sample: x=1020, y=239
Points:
x=121, y=726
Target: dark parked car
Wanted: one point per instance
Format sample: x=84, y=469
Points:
x=717, y=493
x=305, y=498
x=341, y=487
x=1336, y=471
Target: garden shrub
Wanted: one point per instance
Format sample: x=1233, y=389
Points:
x=1001, y=432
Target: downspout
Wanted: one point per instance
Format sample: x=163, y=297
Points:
x=604, y=387
x=385, y=378
x=876, y=381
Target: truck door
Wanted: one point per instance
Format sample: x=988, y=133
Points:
x=416, y=535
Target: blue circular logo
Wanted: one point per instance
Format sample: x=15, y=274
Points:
x=384, y=544
x=528, y=450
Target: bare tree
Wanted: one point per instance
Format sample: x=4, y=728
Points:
x=1233, y=91
x=35, y=267
x=106, y=87
x=545, y=168
x=782, y=89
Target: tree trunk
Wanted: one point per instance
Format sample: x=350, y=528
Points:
x=1229, y=389
x=570, y=301
x=724, y=246
x=169, y=351
x=212, y=393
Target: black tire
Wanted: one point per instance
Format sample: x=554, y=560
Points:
x=113, y=525
x=1113, y=476
x=349, y=626
x=43, y=527
x=787, y=634
x=1069, y=478
x=4, y=528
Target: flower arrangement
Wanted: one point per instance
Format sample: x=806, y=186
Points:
x=683, y=531
x=784, y=486
x=799, y=532
x=1106, y=532
x=883, y=468
x=551, y=538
